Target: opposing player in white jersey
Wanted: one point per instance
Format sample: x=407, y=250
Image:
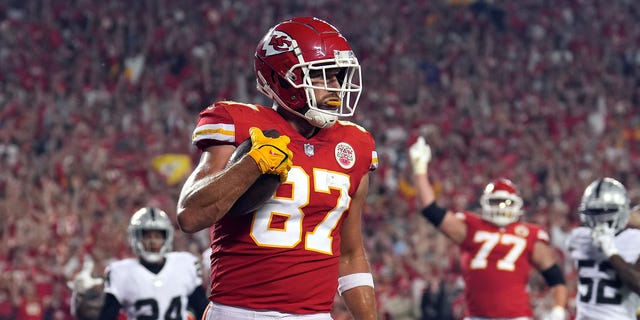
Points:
x=606, y=254
x=159, y=284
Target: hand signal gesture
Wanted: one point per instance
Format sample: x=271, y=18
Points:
x=420, y=155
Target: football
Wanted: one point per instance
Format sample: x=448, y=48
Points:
x=261, y=190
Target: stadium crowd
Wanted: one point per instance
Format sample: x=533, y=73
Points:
x=98, y=100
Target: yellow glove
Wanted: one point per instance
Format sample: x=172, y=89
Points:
x=420, y=155
x=271, y=154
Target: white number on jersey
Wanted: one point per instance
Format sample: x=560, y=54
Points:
x=489, y=241
x=607, y=290
x=319, y=240
x=172, y=313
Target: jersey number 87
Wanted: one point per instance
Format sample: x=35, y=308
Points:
x=319, y=240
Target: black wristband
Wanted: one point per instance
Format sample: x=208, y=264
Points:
x=553, y=276
x=434, y=213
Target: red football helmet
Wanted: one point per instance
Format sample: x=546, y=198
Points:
x=501, y=202
x=295, y=50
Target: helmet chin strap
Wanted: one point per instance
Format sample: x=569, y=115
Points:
x=314, y=117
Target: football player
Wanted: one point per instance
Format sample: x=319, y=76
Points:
x=159, y=284
x=497, y=249
x=606, y=254
x=287, y=258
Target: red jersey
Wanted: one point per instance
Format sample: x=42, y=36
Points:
x=496, y=262
x=284, y=256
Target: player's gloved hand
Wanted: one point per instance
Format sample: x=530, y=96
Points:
x=271, y=154
x=420, y=155
x=83, y=281
x=88, y=295
x=603, y=236
x=557, y=313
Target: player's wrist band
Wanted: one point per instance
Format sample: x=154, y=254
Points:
x=353, y=280
x=434, y=213
x=553, y=275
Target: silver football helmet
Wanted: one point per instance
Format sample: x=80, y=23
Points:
x=605, y=201
x=150, y=219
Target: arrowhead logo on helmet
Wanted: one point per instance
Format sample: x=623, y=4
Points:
x=280, y=43
x=287, y=56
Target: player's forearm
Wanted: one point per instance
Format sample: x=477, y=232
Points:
x=361, y=302
x=560, y=295
x=627, y=273
x=110, y=308
x=198, y=301
x=353, y=263
x=425, y=193
x=355, y=284
x=206, y=200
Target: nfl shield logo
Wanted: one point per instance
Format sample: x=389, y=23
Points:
x=308, y=150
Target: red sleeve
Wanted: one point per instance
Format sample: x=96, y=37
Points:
x=215, y=127
x=540, y=234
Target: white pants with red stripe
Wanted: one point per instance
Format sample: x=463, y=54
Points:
x=216, y=311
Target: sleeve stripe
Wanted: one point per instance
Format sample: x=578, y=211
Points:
x=374, y=161
x=220, y=132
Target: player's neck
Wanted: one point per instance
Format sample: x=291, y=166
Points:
x=153, y=267
x=305, y=129
x=301, y=125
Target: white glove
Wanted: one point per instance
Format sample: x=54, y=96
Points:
x=83, y=281
x=420, y=154
x=603, y=236
x=557, y=313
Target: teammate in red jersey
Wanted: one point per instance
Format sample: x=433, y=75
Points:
x=286, y=259
x=497, y=250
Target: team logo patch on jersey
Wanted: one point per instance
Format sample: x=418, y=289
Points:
x=345, y=155
x=521, y=230
x=280, y=42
